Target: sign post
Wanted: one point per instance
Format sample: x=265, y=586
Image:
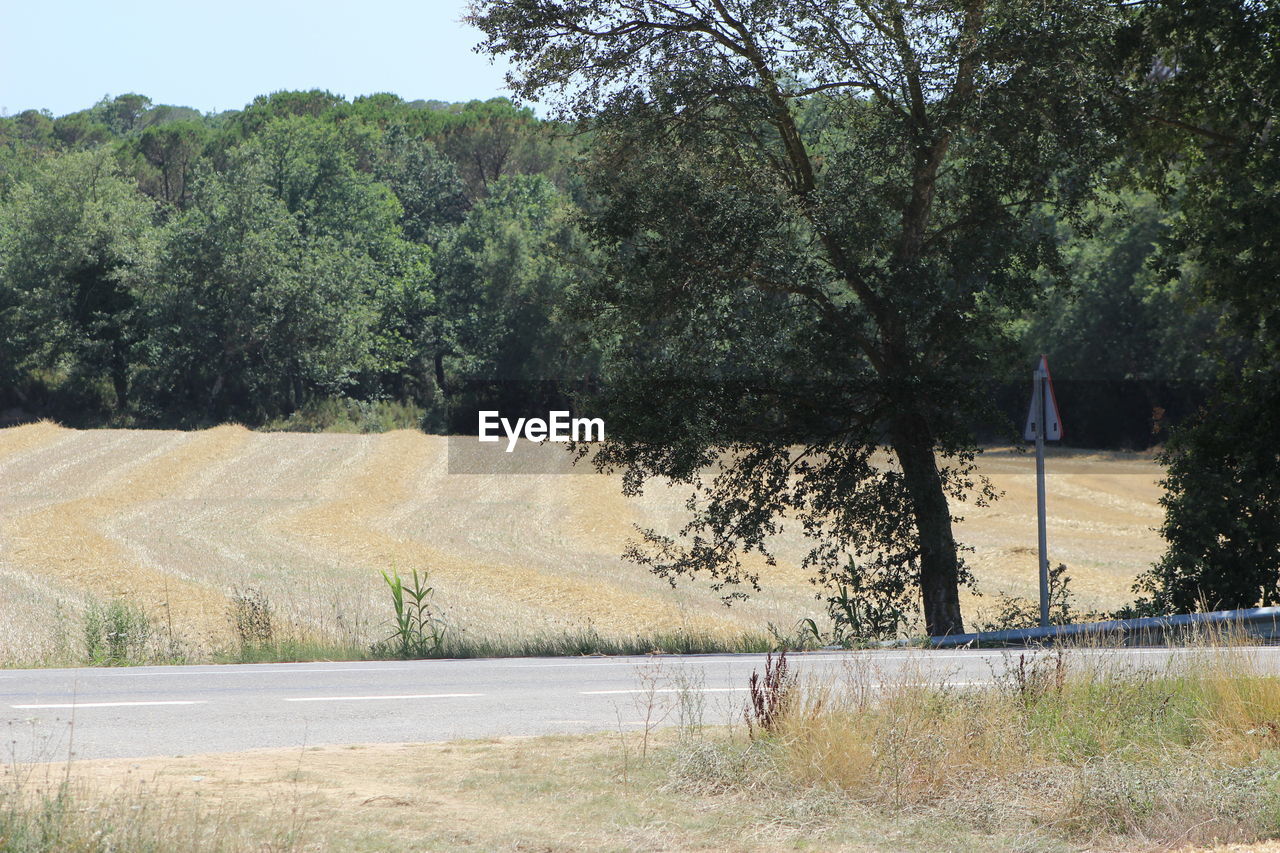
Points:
x=1043, y=424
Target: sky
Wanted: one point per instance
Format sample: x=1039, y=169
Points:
x=215, y=55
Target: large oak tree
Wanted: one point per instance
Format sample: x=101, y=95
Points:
x=819, y=213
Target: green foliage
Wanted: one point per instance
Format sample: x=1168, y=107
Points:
x=252, y=314
x=77, y=245
x=1011, y=612
x=1213, y=94
x=419, y=630
x=122, y=114
x=431, y=193
x=291, y=260
x=116, y=633
x=503, y=289
x=173, y=151
x=870, y=604
x=589, y=641
x=339, y=414
x=1126, y=339
x=79, y=130
x=760, y=252
x=1222, y=505
x=491, y=140
x=811, y=244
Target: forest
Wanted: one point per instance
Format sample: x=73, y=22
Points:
x=305, y=262
x=312, y=261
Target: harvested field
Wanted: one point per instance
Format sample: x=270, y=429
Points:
x=176, y=520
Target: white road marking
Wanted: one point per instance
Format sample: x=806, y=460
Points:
x=665, y=690
x=636, y=662
x=374, y=698
x=111, y=704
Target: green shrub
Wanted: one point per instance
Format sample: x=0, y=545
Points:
x=340, y=414
x=116, y=633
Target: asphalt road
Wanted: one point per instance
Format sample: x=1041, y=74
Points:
x=56, y=714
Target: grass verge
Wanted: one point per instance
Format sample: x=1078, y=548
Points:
x=1063, y=747
x=569, y=643
x=1076, y=750
x=562, y=793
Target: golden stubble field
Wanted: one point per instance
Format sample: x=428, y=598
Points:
x=177, y=520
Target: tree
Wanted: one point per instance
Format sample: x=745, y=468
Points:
x=503, y=333
x=1211, y=100
x=1130, y=337
x=173, y=149
x=311, y=169
x=489, y=140
x=1222, y=505
x=426, y=184
x=79, y=130
x=849, y=189
x=76, y=244
x=123, y=113
x=249, y=314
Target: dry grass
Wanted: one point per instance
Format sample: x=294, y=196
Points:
x=560, y=794
x=1072, y=747
x=175, y=521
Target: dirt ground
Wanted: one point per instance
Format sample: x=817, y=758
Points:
x=579, y=793
x=177, y=520
x=609, y=791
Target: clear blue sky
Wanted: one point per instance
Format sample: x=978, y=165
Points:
x=219, y=54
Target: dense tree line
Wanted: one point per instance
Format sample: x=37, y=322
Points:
x=158, y=266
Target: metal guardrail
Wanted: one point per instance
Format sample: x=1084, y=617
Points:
x=1262, y=623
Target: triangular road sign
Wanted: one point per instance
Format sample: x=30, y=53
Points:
x=1044, y=406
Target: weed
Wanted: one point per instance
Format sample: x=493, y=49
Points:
x=419, y=630
x=1012, y=612
x=249, y=612
x=1072, y=745
x=711, y=768
x=770, y=695
x=1036, y=676
x=805, y=636
x=116, y=633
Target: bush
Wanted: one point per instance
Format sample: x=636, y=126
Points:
x=116, y=633
x=340, y=414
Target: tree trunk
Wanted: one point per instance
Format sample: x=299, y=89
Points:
x=120, y=376
x=939, y=564
x=439, y=369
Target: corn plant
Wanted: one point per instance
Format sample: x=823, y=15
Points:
x=419, y=631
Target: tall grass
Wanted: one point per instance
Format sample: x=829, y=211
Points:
x=1064, y=744
x=587, y=641
x=64, y=816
